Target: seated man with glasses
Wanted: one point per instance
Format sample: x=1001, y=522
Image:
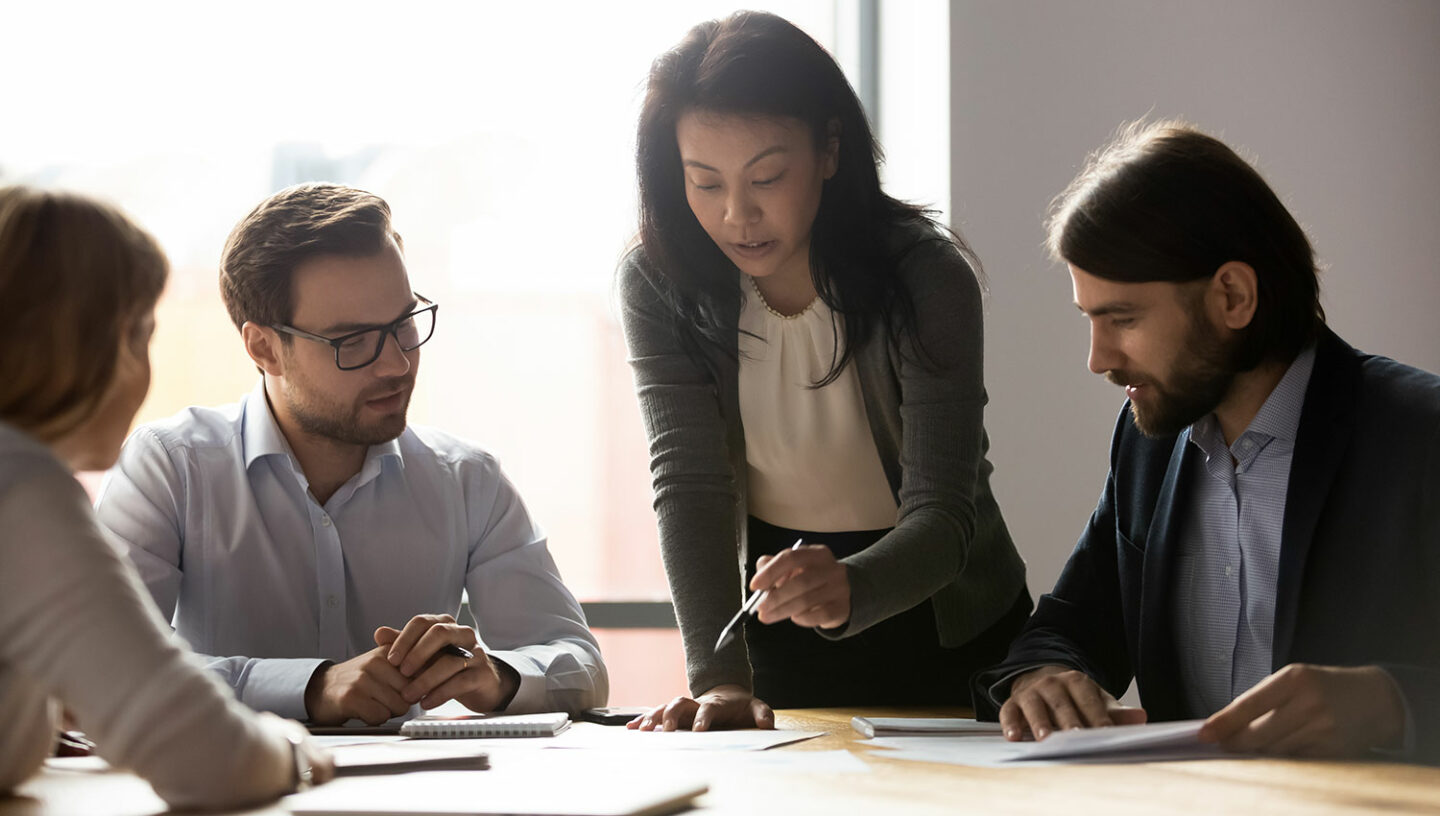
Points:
x=309, y=540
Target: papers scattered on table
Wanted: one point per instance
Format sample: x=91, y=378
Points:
x=1159, y=742
x=920, y=726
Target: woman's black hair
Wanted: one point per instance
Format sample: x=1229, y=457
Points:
x=758, y=64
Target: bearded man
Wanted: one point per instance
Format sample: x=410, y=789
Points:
x=1266, y=551
x=307, y=538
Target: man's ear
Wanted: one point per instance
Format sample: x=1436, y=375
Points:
x=263, y=346
x=832, y=148
x=1235, y=292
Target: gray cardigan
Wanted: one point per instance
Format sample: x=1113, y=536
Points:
x=949, y=545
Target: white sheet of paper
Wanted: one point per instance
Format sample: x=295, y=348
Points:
x=549, y=782
x=1161, y=742
x=1080, y=742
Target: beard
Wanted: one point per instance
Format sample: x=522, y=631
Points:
x=1199, y=381
x=319, y=416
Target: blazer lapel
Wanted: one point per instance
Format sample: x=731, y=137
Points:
x=1157, y=663
x=1326, y=424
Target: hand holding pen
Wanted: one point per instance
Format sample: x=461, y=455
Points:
x=804, y=584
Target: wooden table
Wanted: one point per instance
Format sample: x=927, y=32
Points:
x=1242, y=786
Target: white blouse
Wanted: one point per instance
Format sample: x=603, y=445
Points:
x=812, y=460
x=79, y=630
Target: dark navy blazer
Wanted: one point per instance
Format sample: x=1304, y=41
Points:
x=1359, y=579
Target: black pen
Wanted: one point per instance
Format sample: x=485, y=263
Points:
x=748, y=608
x=457, y=651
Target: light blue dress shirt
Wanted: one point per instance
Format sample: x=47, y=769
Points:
x=1229, y=561
x=217, y=516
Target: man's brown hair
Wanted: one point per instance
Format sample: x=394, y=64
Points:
x=286, y=230
x=76, y=276
x=1165, y=202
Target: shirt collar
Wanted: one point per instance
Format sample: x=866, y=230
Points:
x=1278, y=417
x=262, y=437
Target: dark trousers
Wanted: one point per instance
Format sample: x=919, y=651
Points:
x=898, y=661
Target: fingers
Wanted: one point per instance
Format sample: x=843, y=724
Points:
x=1092, y=702
x=411, y=634
x=385, y=635
x=1049, y=701
x=442, y=670
x=1012, y=721
x=772, y=571
x=372, y=701
x=479, y=678
x=764, y=716
x=808, y=586
x=430, y=643
x=1225, y=726
x=678, y=713
x=642, y=722
x=815, y=586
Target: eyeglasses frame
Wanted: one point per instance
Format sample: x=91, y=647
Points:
x=387, y=330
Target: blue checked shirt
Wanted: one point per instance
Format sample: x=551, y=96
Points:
x=1225, y=581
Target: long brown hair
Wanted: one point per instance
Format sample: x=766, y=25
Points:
x=75, y=277
x=1165, y=202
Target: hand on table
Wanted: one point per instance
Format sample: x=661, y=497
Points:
x=1055, y=698
x=433, y=677
x=1312, y=711
x=722, y=707
x=804, y=584
x=363, y=688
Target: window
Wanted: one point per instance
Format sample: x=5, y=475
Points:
x=502, y=136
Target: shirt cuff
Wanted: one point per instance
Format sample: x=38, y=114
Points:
x=530, y=696
x=1407, y=741
x=278, y=685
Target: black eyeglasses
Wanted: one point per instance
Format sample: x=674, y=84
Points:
x=361, y=348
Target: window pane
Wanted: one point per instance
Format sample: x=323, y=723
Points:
x=502, y=136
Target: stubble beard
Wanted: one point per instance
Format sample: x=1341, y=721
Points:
x=327, y=420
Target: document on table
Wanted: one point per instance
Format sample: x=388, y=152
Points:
x=539, y=782
x=1158, y=742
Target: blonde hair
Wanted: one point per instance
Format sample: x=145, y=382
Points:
x=76, y=275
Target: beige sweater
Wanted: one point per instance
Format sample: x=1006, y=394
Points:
x=80, y=631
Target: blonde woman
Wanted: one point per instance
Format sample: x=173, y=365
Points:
x=78, y=286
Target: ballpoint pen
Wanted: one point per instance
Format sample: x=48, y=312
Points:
x=748, y=608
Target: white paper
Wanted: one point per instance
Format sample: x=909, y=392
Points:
x=584, y=789
x=1160, y=742
x=1079, y=742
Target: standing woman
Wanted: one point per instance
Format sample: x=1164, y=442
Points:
x=78, y=286
x=807, y=354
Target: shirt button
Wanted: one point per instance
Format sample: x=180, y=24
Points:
x=332, y=601
x=1219, y=656
x=324, y=521
x=1229, y=570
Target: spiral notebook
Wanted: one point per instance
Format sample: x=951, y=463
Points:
x=487, y=725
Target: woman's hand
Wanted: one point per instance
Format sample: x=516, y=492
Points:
x=804, y=584
x=722, y=707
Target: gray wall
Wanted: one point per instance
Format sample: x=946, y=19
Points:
x=1338, y=101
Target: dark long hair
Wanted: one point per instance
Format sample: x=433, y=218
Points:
x=1165, y=202
x=758, y=64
